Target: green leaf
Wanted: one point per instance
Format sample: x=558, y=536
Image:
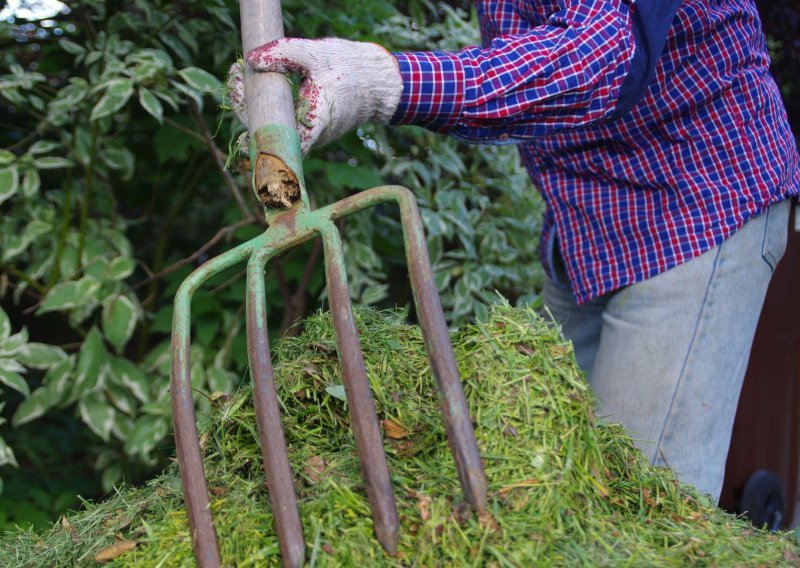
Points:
x=97, y=414
x=120, y=398
x=127, y=374
x=36, y=229
x=9, y=181
x=434, y=224
x=472, y=280
x=91, y=362
x=58, y=381
x=93, y=57
x=31, y=183
x=193, y=94
x=62, y=296
x=146, y=434
x=112, y=475
x=176, y=45
x=374, y=293
x=40, y=355
x=118, y=91
x=200, y=79
x=68, y=295
x=17, y=244
x=120, y=268
x=31, y=408
x=6, y=455
x=336, y=391
x=123, y=426
x=342, y=174
x=119, y=320
x=97, y=268
x=43, y=147
x=14, y=343
x=151, y=104
x=52, y=163
x=7, y=157
x=119, y=158
x=71, y=47
x=5, y=325
x=15, y=381
x=11, y=365
x=221, y=380
x=68, y=98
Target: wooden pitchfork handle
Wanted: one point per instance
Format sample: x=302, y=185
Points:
x=275, y=179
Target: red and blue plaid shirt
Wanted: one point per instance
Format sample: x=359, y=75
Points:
x=632, y=188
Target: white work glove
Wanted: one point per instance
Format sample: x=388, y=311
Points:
x=345, y=83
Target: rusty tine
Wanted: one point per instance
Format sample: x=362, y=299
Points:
x=460, y=433
x=270, y=431
x=374, y=469
x=187, y=443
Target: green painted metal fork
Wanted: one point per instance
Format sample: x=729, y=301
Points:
x=287, y=228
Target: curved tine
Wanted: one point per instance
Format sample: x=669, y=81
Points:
x=458, y=425
x=270, y=431
x=190, y=459
x=374, y=468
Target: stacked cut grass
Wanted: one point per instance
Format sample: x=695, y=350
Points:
x=565, y=489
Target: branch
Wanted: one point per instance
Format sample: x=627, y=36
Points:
x=182, y=128
x=216, y=154
x=296, y=306
x=221, y=234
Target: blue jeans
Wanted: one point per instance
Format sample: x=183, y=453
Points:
x=666, y=357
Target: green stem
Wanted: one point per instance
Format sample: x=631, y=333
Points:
x=66, y=216
x=87, y=193
x=22, y=276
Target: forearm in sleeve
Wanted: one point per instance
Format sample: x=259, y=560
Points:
x=591, y=61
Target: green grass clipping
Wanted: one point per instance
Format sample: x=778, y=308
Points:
x=565, y=488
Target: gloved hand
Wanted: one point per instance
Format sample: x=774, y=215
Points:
x=345, y=83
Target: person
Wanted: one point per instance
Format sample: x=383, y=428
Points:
x=660, y=144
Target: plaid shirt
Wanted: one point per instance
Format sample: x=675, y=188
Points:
x=635, y=182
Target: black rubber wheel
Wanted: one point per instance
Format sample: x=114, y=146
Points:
x=764, y=501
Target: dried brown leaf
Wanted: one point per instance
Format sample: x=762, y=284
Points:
x=315, y=467
x=116, y=550
x=525, y=349
x=424, y=506
x=73, y=534
x=312, y=370
x=395, y=430
x=487, y=520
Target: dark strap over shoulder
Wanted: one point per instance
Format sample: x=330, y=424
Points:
x=651, y=22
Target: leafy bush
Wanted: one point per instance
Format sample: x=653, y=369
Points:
x=113, y=188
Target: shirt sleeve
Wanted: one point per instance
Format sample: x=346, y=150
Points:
x=592, y=60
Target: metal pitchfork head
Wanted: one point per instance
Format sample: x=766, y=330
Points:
x=277, y=176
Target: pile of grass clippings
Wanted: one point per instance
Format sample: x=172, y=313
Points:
x=565, y=489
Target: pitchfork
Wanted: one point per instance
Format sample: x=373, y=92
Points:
x=276, y=162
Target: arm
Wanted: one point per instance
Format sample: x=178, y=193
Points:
x=590, y=61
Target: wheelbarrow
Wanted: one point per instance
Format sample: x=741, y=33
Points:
x=277, y=179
